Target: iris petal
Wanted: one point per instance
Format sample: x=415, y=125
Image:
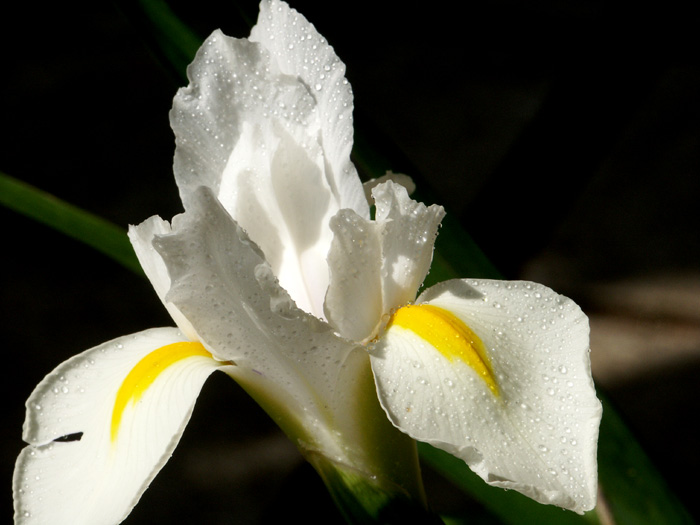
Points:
x=539, y=434
x=377, y=266
x=292, y=362
x=77, y=469
x=266, y=124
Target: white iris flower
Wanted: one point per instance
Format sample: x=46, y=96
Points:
x=276, y=275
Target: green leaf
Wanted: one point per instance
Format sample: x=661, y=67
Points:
x=632, y=488
x=173, y=43
x=66, y=218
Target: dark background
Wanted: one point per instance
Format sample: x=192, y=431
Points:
x=564, y=135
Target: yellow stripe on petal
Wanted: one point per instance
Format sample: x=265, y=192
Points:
x=145, y=373
x=448, y=335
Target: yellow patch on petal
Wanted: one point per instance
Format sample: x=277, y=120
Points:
x=448, y=335
x=145, y=373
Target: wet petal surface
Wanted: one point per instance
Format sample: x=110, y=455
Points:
x=291, y=360
x=103, y=424
x=524, y=414
x=266, y=124
x=377, y=266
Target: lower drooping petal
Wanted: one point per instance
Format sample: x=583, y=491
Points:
x=102, y=424
x=497, y=373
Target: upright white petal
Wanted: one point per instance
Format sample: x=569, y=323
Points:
x=398, y=178
x=354, y=303
x=410, y=228
x=102, y=425
x=291, y=361
x=273, y=147
x=300, y=51
x=377, y=266
x=515, y=400
x=141, y=238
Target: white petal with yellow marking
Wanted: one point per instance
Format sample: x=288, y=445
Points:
x=497, y=373
x=102, y=424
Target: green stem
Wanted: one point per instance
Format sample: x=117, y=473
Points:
x=371, y=500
